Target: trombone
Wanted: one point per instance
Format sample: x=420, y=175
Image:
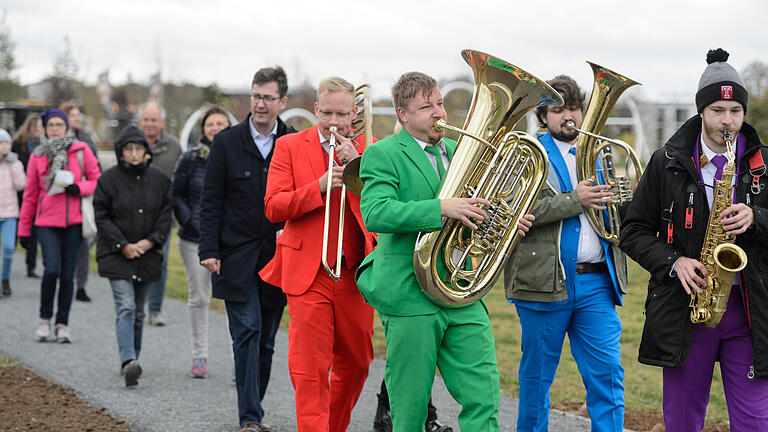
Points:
x=334, y=273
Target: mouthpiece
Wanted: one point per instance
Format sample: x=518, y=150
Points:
x=439, y=124
x=570, y=125
x=727, y=135
x=333, y=128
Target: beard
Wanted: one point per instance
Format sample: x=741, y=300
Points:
x=564, y=136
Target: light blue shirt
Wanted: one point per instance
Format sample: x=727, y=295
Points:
x=263, y=143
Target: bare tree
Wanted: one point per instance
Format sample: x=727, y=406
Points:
x=64, y=85
x=756, y=79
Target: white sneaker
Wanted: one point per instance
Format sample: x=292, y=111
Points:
x=155, y=319
x=43, y=331
x=62, y=334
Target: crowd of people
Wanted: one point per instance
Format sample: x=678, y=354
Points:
x=253, y=202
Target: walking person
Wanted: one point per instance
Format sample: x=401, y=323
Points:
x=54, y=210
x=133, y=215
x=187, y=188
x=24, y=141
x=12, y=180
x=165, y=152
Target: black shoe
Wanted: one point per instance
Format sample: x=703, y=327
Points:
x=435, y=426
x=382, y=422
x=82, y=296
x=131, y=370
x=6, y=288
x=31, y=274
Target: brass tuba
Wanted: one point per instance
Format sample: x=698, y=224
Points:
x=594, y=153
x=722, y=258
x=493, y=162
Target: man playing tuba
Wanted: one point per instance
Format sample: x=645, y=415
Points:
x=664, y=232
x=563, y=278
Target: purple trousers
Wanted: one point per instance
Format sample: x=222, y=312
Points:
x=686, y=389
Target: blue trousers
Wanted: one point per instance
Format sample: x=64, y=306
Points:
x=157, y=288
x=590, y=319
x=60, y=247
x=8, y=238
x=253, y=331
x=129, y=317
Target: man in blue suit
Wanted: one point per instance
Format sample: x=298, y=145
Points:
x=563, y=278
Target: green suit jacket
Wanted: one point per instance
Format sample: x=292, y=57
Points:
x=398, y=202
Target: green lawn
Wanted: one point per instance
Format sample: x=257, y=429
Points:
x=642, y=383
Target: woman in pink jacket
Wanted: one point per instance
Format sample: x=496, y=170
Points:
x=12, y=180
x=54, y=209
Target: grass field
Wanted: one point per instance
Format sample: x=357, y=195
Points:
x=642, y=383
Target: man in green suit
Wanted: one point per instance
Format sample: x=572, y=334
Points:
x=402, y=175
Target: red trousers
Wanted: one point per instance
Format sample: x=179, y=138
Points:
x=331, y=329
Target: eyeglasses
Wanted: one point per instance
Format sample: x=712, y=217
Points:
x=265, y=98
x=326, y=115
x=56, y=125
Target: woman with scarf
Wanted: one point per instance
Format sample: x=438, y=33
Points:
x=61, y=169
x=133, y=216
x=187, y=188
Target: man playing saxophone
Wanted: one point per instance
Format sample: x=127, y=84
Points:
x=664, y=231
x=402, y=174
x=563, y=278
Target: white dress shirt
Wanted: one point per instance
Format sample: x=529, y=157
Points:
x=263, y=143
x=708, y=171
x=590, y=249
x=431, y=157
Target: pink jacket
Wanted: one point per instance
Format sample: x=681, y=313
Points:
x=12, y=179
x=60, y=210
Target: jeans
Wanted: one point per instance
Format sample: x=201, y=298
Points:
x=8, y=238
x=129, y=310
x=83, y=262
x=253, y=339
x=60, y=246
x=157, y=288
x=32, y=249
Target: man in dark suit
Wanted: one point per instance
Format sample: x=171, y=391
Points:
x=237, y=240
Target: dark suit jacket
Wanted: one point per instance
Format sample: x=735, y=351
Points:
x=233, y=227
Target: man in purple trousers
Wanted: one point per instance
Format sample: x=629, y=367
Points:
x=664, y=232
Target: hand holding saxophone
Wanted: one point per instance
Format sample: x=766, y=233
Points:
x=692, y=274
x=593, y=196
x=737, y=218
x=464, y=209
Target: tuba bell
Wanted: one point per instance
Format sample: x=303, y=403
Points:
x=595, y=155
x=457, y=265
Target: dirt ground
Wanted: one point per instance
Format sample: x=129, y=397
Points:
x=31, y=403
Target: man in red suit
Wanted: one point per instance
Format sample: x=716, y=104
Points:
x=331, y=325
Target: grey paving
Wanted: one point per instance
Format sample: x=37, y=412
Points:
x=167, y=399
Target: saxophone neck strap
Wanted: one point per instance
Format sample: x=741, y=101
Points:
x=756, y=169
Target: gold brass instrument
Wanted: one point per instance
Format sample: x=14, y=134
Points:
x=594, y=153
x=508, y=168
x=722, y=258
x=361, y=125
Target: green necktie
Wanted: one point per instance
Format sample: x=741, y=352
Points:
x=435, y=150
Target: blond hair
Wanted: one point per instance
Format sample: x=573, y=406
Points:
x=335, y=84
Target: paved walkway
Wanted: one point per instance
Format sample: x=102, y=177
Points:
x=167, y=399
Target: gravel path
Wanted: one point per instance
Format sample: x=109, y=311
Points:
x=167, y=399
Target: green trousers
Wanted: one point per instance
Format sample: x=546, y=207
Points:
x=457, y=341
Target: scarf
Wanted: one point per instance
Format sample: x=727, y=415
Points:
x=56, y=152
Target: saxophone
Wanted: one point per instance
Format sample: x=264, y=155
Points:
x=722, y=258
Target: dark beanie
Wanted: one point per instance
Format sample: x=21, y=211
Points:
x=720, y=81
x=54, y=112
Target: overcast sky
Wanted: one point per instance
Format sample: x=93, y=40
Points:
x=660, y=43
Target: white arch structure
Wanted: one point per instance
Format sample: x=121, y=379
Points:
x=193, y=120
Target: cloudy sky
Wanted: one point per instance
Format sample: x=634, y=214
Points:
x=660, y=43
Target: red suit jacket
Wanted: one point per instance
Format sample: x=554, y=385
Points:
x=293, y=196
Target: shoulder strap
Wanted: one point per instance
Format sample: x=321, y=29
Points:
x=756, y=160
x=82, y=165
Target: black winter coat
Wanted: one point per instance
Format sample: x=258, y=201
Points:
x=188, y=180
x=671, y=181
x=233, y=226
x=129, y=206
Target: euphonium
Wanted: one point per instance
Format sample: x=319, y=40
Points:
x=361, y=125
x=719, y=254
x=492, y=162
x=594, y=153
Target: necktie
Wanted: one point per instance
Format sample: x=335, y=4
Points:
x=435, y=150
x=719, y=162
x=572, y=151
